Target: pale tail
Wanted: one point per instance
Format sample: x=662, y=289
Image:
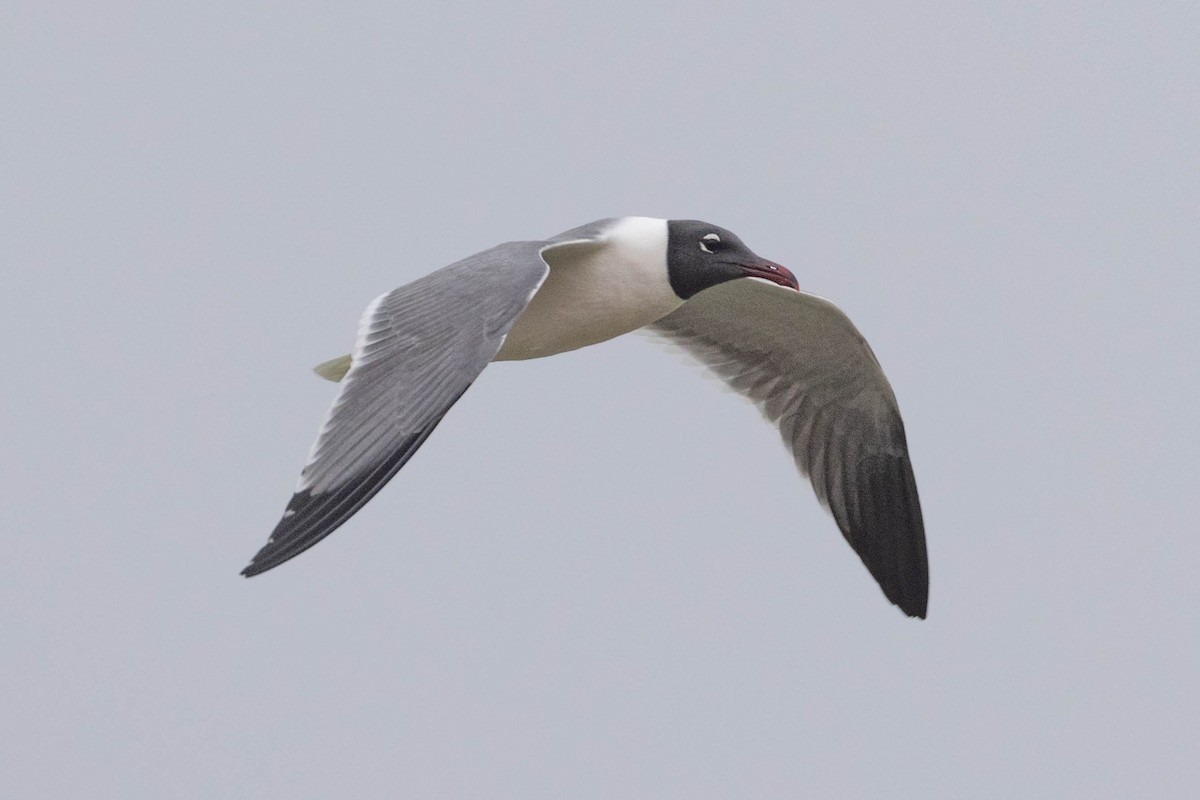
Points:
x=334, y=369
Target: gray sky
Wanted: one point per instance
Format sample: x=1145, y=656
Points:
x=601, y=577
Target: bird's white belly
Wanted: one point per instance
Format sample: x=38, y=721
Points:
x=595, y=295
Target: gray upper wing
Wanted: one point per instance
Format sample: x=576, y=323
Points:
x=418, y=350
x=801, y=360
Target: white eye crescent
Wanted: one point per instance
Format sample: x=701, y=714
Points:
x=708, y=237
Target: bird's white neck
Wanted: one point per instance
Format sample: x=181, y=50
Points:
x=642, y=239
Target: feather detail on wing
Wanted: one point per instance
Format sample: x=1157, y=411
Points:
x=811, y=373
x=418, y=350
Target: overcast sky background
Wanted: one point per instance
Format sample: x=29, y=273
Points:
x=601, y=577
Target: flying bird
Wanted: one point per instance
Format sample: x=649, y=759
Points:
x=794, y=354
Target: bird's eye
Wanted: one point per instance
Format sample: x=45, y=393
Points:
x=708, y=240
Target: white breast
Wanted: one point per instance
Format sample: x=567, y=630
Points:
x=594, y=294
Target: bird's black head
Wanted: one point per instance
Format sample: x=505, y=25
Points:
x=700, y=255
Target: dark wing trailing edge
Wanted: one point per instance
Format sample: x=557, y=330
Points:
x=418, y=350
x=801, y=360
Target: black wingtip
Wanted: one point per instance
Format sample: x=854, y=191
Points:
x=913, y=611
x=886, y=529
x=905, y=581
x=258, y=565
x=914, y=602
x=310, y=517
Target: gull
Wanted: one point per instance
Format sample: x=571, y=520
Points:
x=793, y=354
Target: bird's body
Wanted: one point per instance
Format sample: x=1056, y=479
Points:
x=792, y=353
x=566, y=313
